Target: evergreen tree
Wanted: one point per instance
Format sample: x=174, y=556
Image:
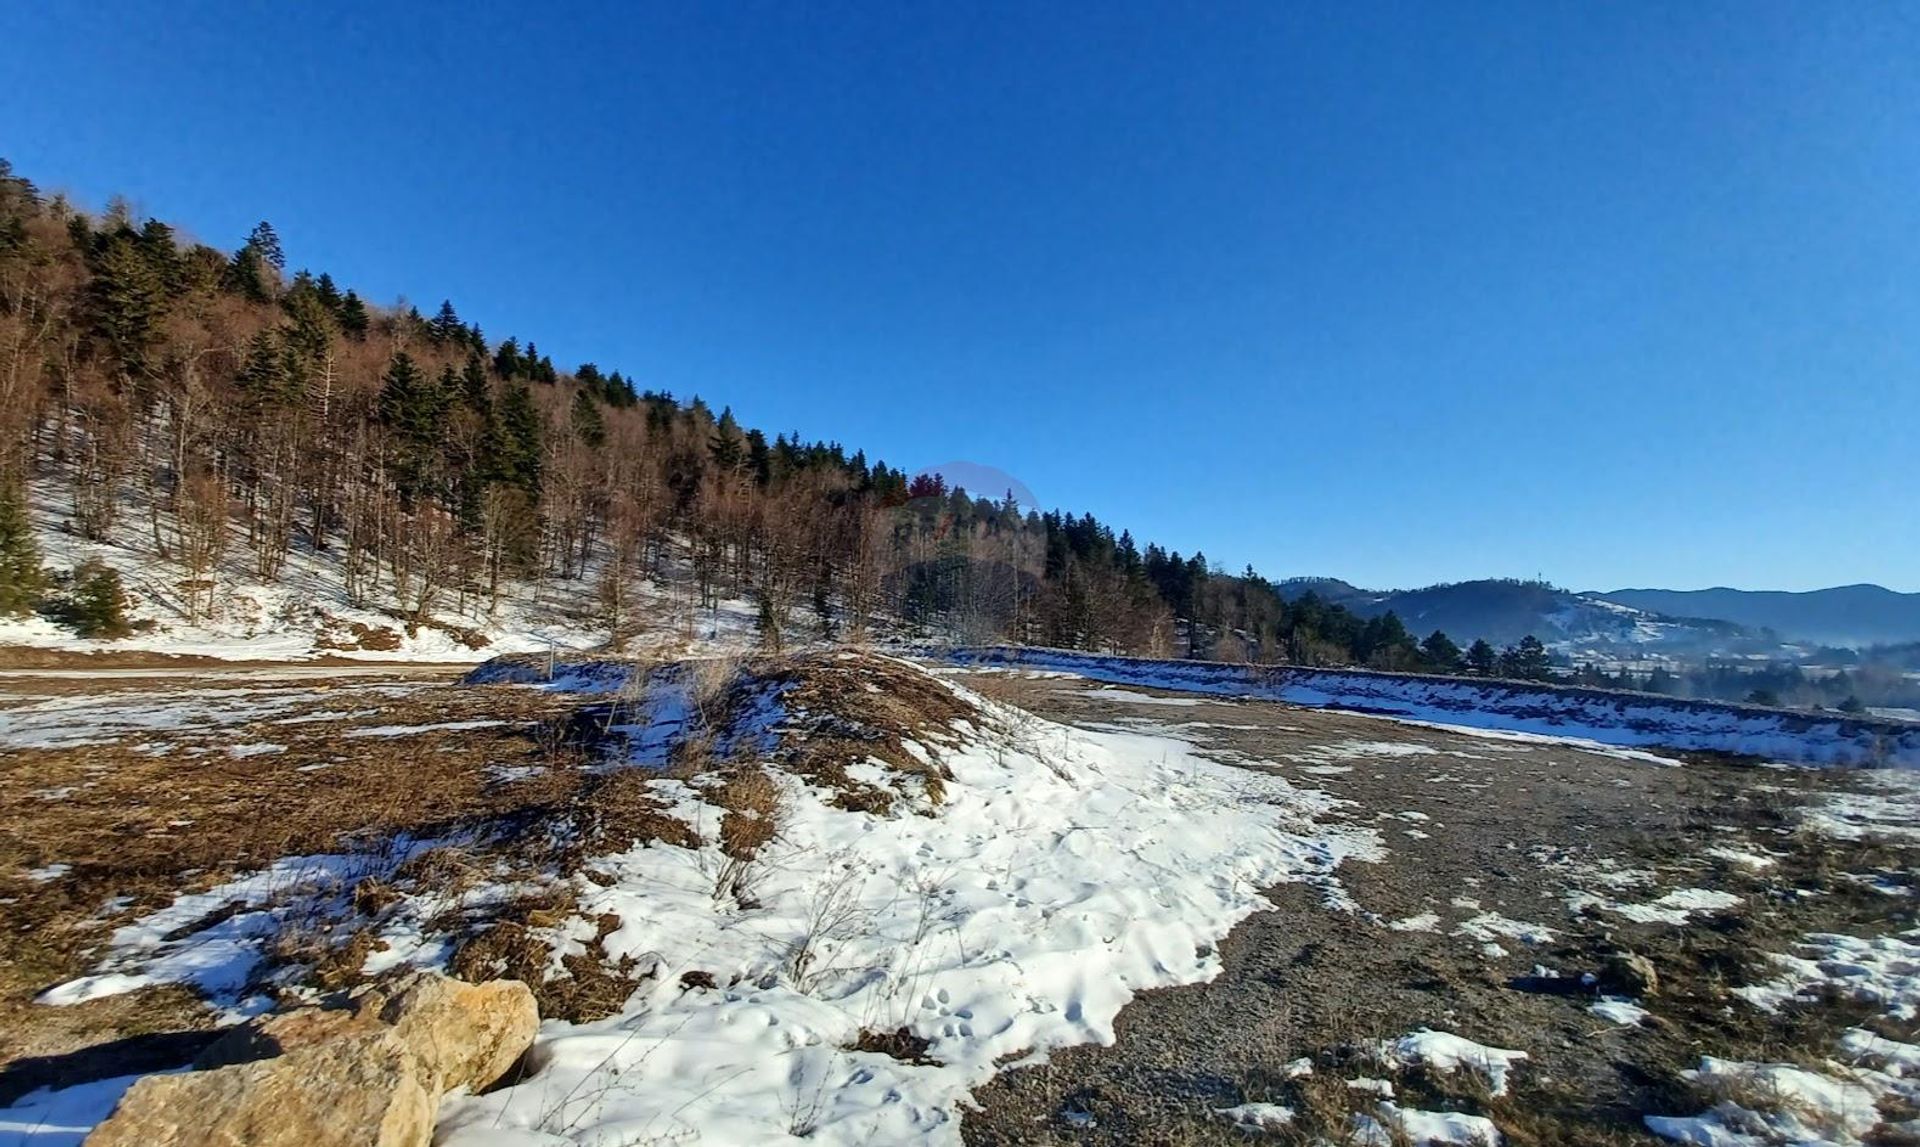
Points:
x=446, y=326
x=353, y=317
x=1526, y=661
x=264, y=242
x=22, y=580
x=475, y=390
x=126, y=302
x=329, y=294
x=1441, y=653
x=506, y=360
x=246, y=276
x=519, y=454
x=586, y=419
x=264, y=375
x=1481, y=658
x=727, y=446
x=96, y=605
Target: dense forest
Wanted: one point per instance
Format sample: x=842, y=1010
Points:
x=224, y=409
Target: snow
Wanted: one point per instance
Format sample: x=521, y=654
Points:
x=1133, y=698
x=213, y=940
x=1424, y=1127
x=46, y=1118
x=307, y=612
x=1615, y=1009
x=1424, y=922
x=1890, y=809
x=414, y=730
x=1883, y=970
x=1444, y=1051
x=1676, y=907
x=1615, y=722
x=1737, y=856
x=1488, y=926
x=105, y=717
x=1065, y=871
x=1258, y=1116
x=1784, y=1104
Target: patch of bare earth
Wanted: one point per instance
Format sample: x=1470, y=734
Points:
x=1474, y=923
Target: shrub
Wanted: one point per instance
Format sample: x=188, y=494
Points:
x=95, y=605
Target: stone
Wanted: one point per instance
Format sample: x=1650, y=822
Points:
x=362, y=1090
x=468, y=1035
x=1631, y=974
x=280, y=1032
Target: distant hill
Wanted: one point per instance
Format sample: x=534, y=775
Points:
x=1504, y=610
x=1843, y=615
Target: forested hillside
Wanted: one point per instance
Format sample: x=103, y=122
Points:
x=217, y=415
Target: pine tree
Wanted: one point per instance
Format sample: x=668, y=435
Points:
x=727, y=447
x=126, y=302
x=1481, y=658
x=519, y=453
x=586, y=419
x=353, y=317
x=475, y=390
x=506, y=360
x=264, y=241
x=22, y=580
x=264, y=375
x=446, y=326
x=1441, y=653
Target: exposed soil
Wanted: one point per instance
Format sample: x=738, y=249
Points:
x=94, y=834
x=1472, y=826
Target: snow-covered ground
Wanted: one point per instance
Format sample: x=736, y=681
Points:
x=1599, y=716
x=1060, y=872
x=308, y=613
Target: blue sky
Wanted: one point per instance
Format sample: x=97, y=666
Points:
x=1619, y=294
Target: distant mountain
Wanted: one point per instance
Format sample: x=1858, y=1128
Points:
x=1504, y=611
x=1844, y=615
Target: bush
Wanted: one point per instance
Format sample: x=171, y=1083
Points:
x=94, y=605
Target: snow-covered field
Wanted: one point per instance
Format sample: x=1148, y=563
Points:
x=1059, y=872
x=1609, y=718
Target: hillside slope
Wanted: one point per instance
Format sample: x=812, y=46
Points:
x=1503, y=611
x=1842, y=615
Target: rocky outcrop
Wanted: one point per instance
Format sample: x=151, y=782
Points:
x=369, y=1072
x=351, y=1092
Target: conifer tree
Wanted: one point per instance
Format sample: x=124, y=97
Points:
x=264, y=377
x=126, y=302
x=1481, y=658
x=519, y=454
x=1441, y=653
x=264, y=242
x=22, y=580
x=353, y=317
x=586, y=419
x=446, y=326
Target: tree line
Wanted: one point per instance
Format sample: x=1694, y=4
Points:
x=225, y=411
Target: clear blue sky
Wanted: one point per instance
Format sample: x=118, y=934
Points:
x=1622, y=294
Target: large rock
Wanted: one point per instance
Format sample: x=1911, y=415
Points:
x=369, y=1073
x=468, y=1035
x=365, y=1090
x=282, y=1032
x=1630, y=973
